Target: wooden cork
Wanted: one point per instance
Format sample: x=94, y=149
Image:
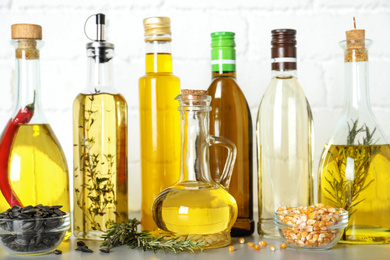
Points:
x=356, y=49
x=26, y=31
x=197, y=96
x=27, y=36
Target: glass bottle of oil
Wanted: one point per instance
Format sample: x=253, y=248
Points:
x=284, y=136
x=159, y=118
x=230, y=118
x=100, y=145
x=33, y=166
x=197, y=205
x=354, y=169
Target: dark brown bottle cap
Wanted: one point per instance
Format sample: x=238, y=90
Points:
x=283, y=49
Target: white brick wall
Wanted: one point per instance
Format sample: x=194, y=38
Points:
x=320, y=24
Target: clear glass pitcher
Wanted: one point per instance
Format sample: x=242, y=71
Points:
x=197, y=205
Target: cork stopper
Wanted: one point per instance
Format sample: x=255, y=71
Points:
x=196, y=97
x=193, y=92
x=356, y=48
x=27, y=36
x=26, y=31
x=157, y=28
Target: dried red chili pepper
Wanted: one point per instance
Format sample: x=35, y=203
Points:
x=24, y=116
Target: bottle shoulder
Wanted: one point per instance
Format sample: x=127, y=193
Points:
x=284, y=87
x=283, y=97
x=156, y=75
x=117, y=98
x=225, y=86
x=355, y=128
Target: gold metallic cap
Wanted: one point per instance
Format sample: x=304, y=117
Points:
x=157, y=26
x=26, y=31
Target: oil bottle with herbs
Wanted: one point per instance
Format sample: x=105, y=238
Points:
x=33, y=168
x=355, y=163
x=100, y=145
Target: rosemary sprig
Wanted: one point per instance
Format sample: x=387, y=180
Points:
x=126, y=234
x=346, y=187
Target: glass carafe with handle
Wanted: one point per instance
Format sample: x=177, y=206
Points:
x=197, y=205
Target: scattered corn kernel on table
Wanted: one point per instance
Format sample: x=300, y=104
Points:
x=241, y=251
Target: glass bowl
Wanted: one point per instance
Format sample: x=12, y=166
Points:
x=33, y=236
x=305, y=228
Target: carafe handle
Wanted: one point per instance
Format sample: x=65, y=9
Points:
x=230, y=160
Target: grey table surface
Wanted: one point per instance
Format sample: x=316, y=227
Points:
x=242, y=252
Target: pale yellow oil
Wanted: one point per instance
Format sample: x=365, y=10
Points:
x=205, y=212
x=100, y=163
x=362, y=174
x=159, y=132
x=37, y=168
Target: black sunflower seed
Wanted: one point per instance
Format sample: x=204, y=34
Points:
x=81, y=243
x=57, y=252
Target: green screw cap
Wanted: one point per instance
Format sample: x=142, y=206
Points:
x=223, y=54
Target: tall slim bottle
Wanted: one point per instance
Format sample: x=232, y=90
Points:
x=100, y=145
x=354, y=171
x=159, y=118
x=33, y=168
x=284, y=136
x=230, y=118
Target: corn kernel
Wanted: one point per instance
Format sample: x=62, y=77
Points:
x=231, y=248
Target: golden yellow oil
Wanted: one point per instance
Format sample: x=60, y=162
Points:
x=207, y=212
x=100, y=163
x=160, y=132
x=37, y=168
x=356, y=177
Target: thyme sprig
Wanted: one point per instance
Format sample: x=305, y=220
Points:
x=97, y=193
x=126, y=234
x=347, y=182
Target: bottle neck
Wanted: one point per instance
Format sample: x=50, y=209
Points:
x=357, y=98
x=28, y=78
x=223, y=62
x=100, y=70
x=158, y=57
x=284, y=73
x=195, y=145
x=231, y=74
